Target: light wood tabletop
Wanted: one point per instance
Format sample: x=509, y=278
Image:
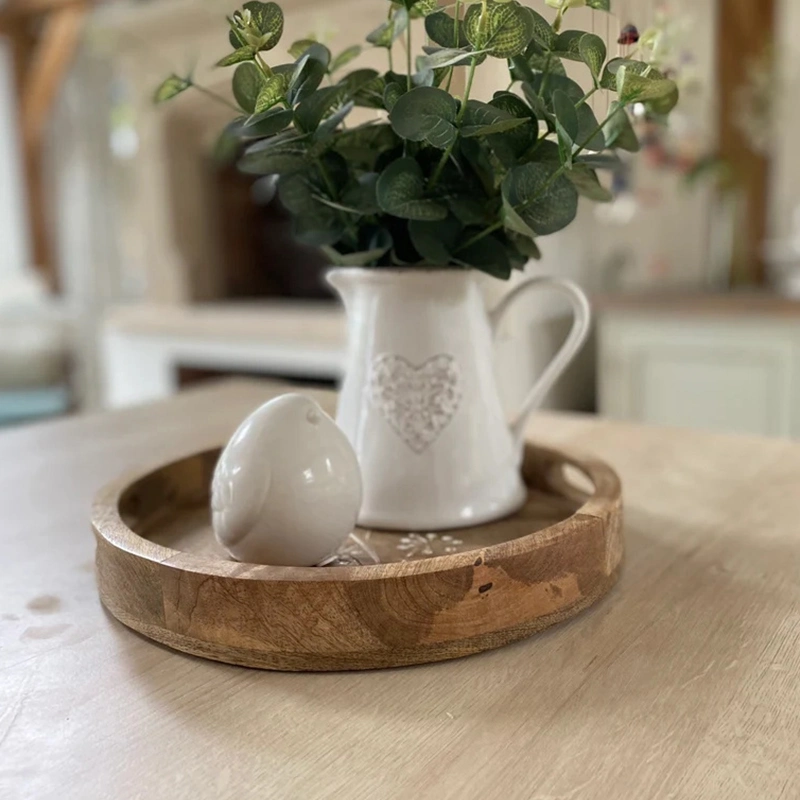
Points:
x=683, y=683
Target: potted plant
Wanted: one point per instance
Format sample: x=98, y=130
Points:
x=410, y=204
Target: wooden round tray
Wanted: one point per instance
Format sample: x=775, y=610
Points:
x=432, y=598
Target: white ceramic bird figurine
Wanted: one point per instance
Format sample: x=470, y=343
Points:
x=287, y=487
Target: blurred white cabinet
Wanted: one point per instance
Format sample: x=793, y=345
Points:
x=718, y=364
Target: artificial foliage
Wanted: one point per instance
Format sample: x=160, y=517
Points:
x=434, y=179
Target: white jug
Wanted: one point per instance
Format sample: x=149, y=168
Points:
x=420, y=403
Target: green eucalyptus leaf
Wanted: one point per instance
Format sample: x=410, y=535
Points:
x=440, y=57
x=568, y=45
x=401, y=189
x=171, y=87
x=248, y=81
x=246, y=53
x=272, y=92
x=425, y=114
x=566, y=126
x=501, y=29
x=483, y=119
x=587, y=183
x=421, y=8
x=619, y=132
x=525, y=244
x=566, y=114
x=593, y=53
x=661, y=106
x=590, y=134
x=332, y=122
x=445, y=31
x=514, y=222
x=488, y=255
x=313, y=109
x=599, y=5
x=298, y=48
x=633, y=88
x=366, y=87
x=363, y=258
x=601, y=160
x=267, y=123
x=278, y=160
x=545, y=202
x=470, y=209
x=384, y=35
x=609, y=77
x=435, y=241
x=306, y=78
x=510, y=146
x=345, y=57
x=268, y=19
x=391, y=94
x=364, y=145
x=542, y=31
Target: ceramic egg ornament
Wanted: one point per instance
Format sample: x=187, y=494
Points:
x=287, y=487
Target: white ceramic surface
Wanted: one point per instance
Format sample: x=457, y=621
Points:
x=287, y=487
x=420, y=403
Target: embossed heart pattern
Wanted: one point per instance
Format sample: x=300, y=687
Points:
x=418, y=402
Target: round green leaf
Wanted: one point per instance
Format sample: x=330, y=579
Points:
x=633, y=88
x=542, y=31
x=488, y=255
x=345, y=57
x=268, y=19
x=544, y=202
x=311, y=111
x=306, y=78
x=246, y=53
x=435, y=241
x=593, y=53
x=384, y=35
x=171, y=87
x=502, y=29
x=587, y=183
x=609, y=78
x=268, y=123
x=445, y=31
x=273, y=91
x=248, y=81
x=425, y=114
x=619, y=132
x=482, y=119
x=400, y=192
x=296, y=49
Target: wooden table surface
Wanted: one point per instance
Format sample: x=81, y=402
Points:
x=683, y=683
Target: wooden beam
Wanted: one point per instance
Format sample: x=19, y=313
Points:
x=745, y=33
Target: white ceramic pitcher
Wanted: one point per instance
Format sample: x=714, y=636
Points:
x=420, y=402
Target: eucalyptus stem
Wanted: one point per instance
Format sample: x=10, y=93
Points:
x=437, y=173
x=408, y=57
x=391, y=58
x=263, y=66
x=215, y=96
x=587, y=96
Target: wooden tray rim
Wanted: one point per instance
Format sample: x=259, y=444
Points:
x=108, y=524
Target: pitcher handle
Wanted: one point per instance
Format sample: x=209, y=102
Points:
x=563, y=358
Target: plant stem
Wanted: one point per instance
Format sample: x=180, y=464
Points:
x=546, y=73
x=437, y=173
x=215, y=96
x=391, y=58
x=263, y=66
x=408, y=57
x=467, y=89
x=587, y=96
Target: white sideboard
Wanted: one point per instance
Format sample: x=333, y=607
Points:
x=724, y=363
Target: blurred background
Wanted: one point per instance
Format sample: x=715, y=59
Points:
x=134, y=264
